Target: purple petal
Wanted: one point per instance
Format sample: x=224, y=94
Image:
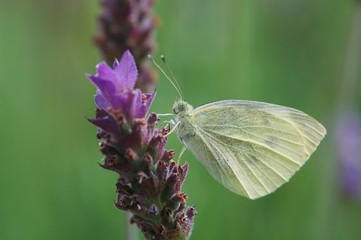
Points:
x=144, y=105
x=149, y=99
x=101, y=101
x=121, y=102
x=129, y=102
x=107, y=87
x=105, y=72
x=107, y=124
x=101, y=113
x=136, y=104
x=126, y=72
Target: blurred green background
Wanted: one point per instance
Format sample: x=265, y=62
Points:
x=288, y=52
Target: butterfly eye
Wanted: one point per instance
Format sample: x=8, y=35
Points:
x=181, y=107
x=176, y=110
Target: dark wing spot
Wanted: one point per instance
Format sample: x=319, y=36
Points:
x=252, y=160
x=271, y=141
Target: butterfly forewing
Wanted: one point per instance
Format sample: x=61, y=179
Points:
x=251, y=147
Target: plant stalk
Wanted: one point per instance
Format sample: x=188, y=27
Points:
x=130, y=231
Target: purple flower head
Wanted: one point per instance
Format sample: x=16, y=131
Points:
x=149, y=184
x=349, y=147
x=116, y=88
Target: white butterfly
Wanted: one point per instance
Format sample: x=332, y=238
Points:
x=252, y=148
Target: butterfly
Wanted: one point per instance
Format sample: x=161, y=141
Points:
x=250, y=147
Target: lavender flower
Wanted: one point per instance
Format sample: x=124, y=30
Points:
x=149, y=184
x=349, y=132
x=128, y=24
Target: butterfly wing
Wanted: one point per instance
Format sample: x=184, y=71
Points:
x=252, y=148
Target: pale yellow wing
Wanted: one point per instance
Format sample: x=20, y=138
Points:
x=252, y=148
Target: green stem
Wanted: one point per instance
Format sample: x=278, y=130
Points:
x=131, y=233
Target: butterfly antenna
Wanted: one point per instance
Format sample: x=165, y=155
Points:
x=153, y=61
x=171, y=73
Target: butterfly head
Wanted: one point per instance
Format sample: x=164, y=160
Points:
x=181, y=107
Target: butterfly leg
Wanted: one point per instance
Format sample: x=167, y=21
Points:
x=175, y=126
x=165, y=114
x=181, y=153
x=171, y=122
x=165, y=122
